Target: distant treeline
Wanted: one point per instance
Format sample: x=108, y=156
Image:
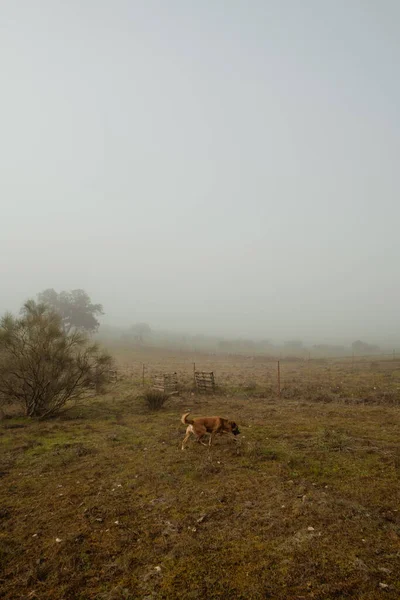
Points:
x=77, y=312
x=141, y=334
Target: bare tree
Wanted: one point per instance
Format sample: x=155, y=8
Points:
x=42, y=366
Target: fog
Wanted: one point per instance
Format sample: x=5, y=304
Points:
x=216, y=167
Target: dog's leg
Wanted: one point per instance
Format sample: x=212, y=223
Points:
x=189, y=430
x=185, y=439
x=199, y=439
x=199, y=431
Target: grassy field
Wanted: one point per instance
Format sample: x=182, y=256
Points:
x=101, y=503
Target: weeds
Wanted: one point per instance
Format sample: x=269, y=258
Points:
x=155, y=400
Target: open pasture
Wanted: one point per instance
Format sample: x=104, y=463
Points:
x=101, y=503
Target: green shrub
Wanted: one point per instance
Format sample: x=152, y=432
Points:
x=42, y=366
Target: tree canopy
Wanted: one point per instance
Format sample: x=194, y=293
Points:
x=360, y=347
x=75, y=309
x=140, y=331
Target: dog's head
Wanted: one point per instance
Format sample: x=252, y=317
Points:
x=234, y=428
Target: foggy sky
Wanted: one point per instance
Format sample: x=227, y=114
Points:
x=219, y=166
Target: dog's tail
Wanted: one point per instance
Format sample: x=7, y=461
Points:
x=185, y=420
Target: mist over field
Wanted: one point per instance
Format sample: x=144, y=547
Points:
x=199, y=299
x=207, y=168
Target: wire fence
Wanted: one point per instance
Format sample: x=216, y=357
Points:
x=367, y=376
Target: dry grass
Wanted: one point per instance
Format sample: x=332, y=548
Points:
x=305, y=506
x=372, y=380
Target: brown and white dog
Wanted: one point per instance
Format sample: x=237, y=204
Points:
x=202, y=425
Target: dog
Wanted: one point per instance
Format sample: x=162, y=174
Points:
x=212, y=425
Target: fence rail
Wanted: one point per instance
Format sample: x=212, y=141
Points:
x=167, y=383
x=205, y=381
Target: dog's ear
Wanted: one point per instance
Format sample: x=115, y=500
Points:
x=233, y=425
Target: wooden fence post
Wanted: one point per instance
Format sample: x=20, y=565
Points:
x=279, y=380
